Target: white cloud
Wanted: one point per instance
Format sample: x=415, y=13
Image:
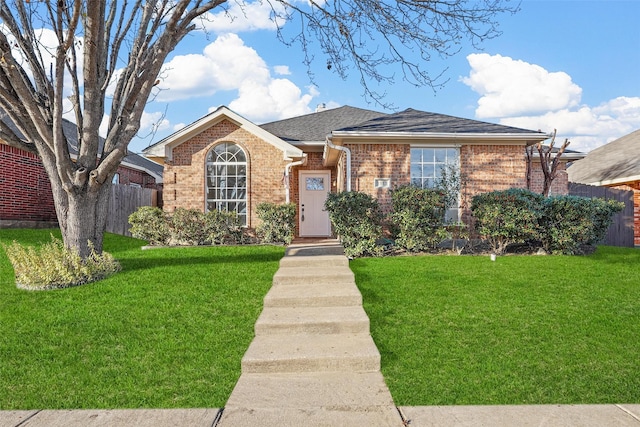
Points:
x=240, y=16
x=227, y=64
x=528, y=96
x=511, y=87
x=282, y=70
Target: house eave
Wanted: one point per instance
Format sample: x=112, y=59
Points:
x=615, y=181
x=468, y=137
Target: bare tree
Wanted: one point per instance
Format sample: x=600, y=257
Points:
x=549, y=161
x=125, y=43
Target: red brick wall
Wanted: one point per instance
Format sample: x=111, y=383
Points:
x=184, y=176
x=25, y=190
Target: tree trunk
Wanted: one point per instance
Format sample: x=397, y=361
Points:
x=82, y=216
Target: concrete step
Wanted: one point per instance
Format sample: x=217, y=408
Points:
x=311, y=353
x=319, y=320
x=330, y=247
x=315, y=261
x=313, y=295
x=312, y=275
x=311, y=399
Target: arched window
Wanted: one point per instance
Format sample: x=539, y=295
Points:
x=227, y=180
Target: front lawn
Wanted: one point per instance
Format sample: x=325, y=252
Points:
x=522, y=330
x=168, y=331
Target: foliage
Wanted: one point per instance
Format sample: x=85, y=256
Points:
x=52, y=266
x=356, y=219
x=450, y=183
x=141, y=338
x=506, y=217
x=521, y=330
x=150, y=224
x=418, y=215
x=278, y=222
x=223, y=228
x=188, y=227
x=568, y=222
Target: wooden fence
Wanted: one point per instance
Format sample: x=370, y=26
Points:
x=125, y=199
x=620, y=232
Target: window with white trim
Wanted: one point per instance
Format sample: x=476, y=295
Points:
x=428, y=165
x=226, y=184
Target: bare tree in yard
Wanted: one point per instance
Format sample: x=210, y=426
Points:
x=549, y=161
x=125, y=43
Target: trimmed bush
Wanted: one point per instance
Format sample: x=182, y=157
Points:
x=506, y=217
x=569, y=222
x=418, y=216
x=188, y=227
x=52, y=266
x=278, y=222
x=150, y=224
x=356, y=219
x=223, y=228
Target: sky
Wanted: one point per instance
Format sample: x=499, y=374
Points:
x=569, y=65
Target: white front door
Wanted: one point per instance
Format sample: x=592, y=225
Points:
x=314, y=188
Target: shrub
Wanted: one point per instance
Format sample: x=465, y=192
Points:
x=568, y=222
x=278, y=222
x=223, y=228
x=506, y=217
x=188, y=227
x=53, y=266
x=356, y=219
x=150, y=224
x=418, y=216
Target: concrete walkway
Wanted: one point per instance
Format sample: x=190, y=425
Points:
x=313, y=363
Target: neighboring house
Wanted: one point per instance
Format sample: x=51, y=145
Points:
x=617, y=165
x=223, y=161
x=26, y=199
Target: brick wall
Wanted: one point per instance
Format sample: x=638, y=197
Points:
x=559, y=186
x=25, y=190
x=370, y=161
x=184, y=176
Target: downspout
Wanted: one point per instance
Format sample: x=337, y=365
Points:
x=287, y=168
x=348, y=160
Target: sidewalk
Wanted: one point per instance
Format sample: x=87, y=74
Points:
x=313, y=363
x=418, y=416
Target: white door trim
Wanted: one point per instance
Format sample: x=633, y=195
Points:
x=313, y=220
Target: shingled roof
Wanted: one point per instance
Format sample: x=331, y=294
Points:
x=69, y=129
x=613, y=163
x=414, y=121
x=315, y=127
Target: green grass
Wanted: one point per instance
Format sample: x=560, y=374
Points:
x=522, y=330
x=168, y=331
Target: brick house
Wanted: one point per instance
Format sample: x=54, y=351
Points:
x=224, y=161
x=26, y=199
x=616, y=165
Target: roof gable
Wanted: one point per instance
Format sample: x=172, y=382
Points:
x=163, y=149
x=613, y=163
